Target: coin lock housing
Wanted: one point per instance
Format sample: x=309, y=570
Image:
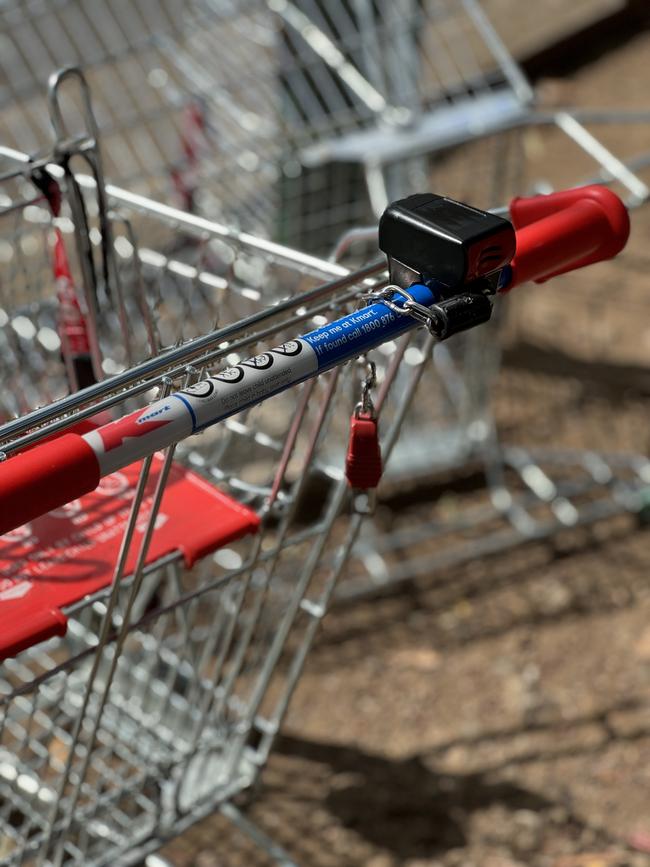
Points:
x=445, y=244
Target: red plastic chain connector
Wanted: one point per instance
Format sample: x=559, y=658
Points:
x=363, y=466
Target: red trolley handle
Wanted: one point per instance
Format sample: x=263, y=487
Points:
x=564, y=231
x=45, y=477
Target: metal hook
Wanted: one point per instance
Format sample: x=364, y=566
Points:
x=365, y=405
x=55, y=81
x=86, y=147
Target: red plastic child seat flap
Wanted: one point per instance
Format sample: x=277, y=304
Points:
x=69, y=553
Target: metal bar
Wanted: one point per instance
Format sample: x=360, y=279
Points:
x=612, y=164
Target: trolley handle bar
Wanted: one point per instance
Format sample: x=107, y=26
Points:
x=57, y=471
x=60, y=470
x=556, y=234
x=563, y=231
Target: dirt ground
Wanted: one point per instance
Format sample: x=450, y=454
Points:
x=497, y=714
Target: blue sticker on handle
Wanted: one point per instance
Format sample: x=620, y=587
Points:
x=355, y=333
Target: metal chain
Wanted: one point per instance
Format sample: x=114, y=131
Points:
x=365, y=405
x=433, y=318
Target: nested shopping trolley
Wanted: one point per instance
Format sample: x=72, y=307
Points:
x=327, y=109
x=174, y=531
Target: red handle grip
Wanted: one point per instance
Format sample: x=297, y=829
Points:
x=45, y=477
x=566, y=230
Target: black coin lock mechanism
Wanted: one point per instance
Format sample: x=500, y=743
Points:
x=457, y=251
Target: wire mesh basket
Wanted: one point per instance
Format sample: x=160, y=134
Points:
x=116, y=44
x=308, y=118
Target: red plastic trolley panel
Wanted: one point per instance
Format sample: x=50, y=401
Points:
x=60, y=558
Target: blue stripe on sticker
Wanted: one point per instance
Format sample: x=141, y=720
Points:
x=189, y=407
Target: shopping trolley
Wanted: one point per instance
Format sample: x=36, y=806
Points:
x=171, y=273
x=155, y=621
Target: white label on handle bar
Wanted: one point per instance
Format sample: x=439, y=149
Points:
x=249, y=382
x=175, y=417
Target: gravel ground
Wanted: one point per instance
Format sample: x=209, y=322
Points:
x=497, y=714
